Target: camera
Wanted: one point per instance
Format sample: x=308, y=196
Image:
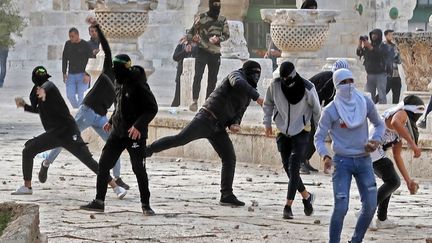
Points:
x=364, y=38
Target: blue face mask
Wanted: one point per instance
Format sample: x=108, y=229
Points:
x=345, y=90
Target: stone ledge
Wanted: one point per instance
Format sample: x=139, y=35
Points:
x=24, y=226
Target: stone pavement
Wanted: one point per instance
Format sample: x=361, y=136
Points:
x=185, y=197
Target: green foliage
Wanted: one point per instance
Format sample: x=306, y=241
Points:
x=5, y=216
x=10, y=22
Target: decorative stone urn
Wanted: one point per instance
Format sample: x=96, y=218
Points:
x=123, y=21
x=416, y=54
x=298, y=31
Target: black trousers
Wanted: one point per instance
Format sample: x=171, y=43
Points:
x=176, y=100
x=292, y=150
x=394, y=84
x=53, y=139
x=385, y=170
x=310, y=149
x=212, y=61
x=112, y=150
x=205, y=126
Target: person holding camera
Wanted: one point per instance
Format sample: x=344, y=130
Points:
x=378, y=63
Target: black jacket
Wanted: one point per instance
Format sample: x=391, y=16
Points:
x=231, y=98
x=53, y=112
x=378, y=60
x=179, y=55
x=101, y=96
x=135, y=105
x=324, y=86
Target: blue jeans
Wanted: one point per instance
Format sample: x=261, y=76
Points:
x=362, y=170
x=86, y=118
x=377, y=82
x=75, y=88
x=3, y=61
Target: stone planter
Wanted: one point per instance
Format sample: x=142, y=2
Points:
x=123, y=22
x=416, y=54
x=298, y=30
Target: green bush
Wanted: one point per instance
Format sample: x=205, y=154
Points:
x=10, y=22
x=5, y=217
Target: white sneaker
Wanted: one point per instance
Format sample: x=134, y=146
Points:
x=120, y=192
x=386, y=224
x=23, y=190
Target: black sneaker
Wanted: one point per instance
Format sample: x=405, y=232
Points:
x=230, y=200
x=309, y=166
x=95, y=205
x=147, y=210
x=303, y=169
x=43, y=173
x=121, y=183
x=287, y=212
x=148, y=152
x=307, y=203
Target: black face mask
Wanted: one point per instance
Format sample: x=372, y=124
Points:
x=121, y=73
x=39, y=80
x=414, y=117
x=214, y=11
x=253, y=78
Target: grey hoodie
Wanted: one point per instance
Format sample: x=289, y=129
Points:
x=291, y=119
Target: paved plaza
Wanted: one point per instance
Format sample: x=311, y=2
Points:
x=185, y=196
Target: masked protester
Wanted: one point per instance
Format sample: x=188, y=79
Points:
x=208, y=31
x=292, y=102
x=60, y=130
x=135, y=108
x=223, y=109
x=345, y=120
x=309, y=4
x=400, y=122
x=93, y=111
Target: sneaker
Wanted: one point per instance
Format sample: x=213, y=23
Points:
x=43, y=173
x=95, y=205
x=422, y=124
x=147, y=210
x=120, y=192
x=307, y=203
x=121, y=183
x=23, y=190
x=287, y=212
x=386, y=224
x=148, y=152
x=309, y=166
x=230, y=200
x=303, y=169
x=194, y=106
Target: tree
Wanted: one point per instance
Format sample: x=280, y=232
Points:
x=10, y=22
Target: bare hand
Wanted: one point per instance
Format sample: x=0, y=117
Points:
x=235, y=128
x=40, y=92
x=412, y=187
x=266, y=55
x=107, y=127
x=371, y=146
x=134, y=134
x=417, y=151
x=19, y=102
x=91, y=20
x=65, y=77
x=268, y=131
x=214, y=39
x=260, y=101
x=86, y=79
x=95, y=51
x=327, y=165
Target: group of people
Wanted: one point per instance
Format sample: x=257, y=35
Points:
x=304, y=112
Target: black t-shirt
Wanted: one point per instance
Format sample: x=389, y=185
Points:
x=75, y=56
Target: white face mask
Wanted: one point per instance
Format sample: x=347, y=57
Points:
x=345, y=90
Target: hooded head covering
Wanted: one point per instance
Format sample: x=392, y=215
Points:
x=340, y=63
x=309, y=4
x=122, y=68
x=379, y=33
x=40, y=75
x=414, y=107
x=349, y=102
x=292, y=84
x=214, y=9
x=252, y=71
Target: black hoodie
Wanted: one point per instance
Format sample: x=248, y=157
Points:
x=377, y=60
x=135, y=104
x=53, y=112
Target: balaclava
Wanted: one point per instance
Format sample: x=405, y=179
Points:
x=414, y=107
x=252, y=70
x=40, y=75
x=214, y=11
x=122, y=68
x=309, y=4
x=292, y=84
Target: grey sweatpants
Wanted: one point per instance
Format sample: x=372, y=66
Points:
x=377, y=82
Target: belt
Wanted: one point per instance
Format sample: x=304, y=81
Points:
x=209, y=112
